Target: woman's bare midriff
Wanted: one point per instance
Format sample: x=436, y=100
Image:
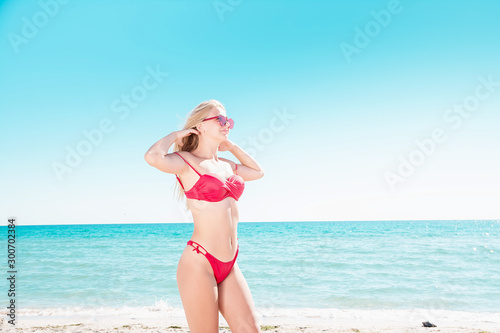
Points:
x=215, y=226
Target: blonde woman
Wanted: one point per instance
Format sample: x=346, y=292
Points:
x=208, y=276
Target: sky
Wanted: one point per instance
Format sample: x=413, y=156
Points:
x=356, y=110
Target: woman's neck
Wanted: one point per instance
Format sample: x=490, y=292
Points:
x=207, y=150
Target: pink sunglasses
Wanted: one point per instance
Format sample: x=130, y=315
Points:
x=222, y=120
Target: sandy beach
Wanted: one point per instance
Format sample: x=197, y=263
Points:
x=280, y=321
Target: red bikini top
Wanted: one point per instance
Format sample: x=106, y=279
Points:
x=211, y=188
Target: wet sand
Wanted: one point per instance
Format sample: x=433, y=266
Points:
x=279, y=321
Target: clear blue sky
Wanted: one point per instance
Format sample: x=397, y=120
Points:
x=361, y=82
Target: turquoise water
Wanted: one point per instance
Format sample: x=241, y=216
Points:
x=449, y=265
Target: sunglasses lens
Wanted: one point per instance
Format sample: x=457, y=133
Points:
x=223, y=120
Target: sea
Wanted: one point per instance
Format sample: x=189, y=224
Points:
x=365, y=265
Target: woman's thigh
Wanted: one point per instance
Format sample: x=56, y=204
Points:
x=236, y=303
x=198, y=291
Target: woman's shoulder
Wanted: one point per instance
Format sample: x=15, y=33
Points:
x=226, y=160
x=186, y=154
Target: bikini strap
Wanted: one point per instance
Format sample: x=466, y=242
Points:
x=188, y=164
x=236, y=170
x=196, y=248
x=180, y=182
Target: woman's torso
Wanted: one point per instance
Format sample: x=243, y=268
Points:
x=215, y=223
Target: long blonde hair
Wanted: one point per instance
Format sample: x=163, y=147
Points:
x=191, y=142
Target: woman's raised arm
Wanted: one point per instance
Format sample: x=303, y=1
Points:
x=158, y=157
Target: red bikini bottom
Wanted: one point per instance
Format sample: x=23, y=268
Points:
x=221, y=269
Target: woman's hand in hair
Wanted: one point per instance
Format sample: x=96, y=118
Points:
x=183, y=133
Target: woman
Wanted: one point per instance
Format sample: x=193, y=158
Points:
x=208, y=276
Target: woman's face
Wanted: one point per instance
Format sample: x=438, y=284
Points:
x=212, y=126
